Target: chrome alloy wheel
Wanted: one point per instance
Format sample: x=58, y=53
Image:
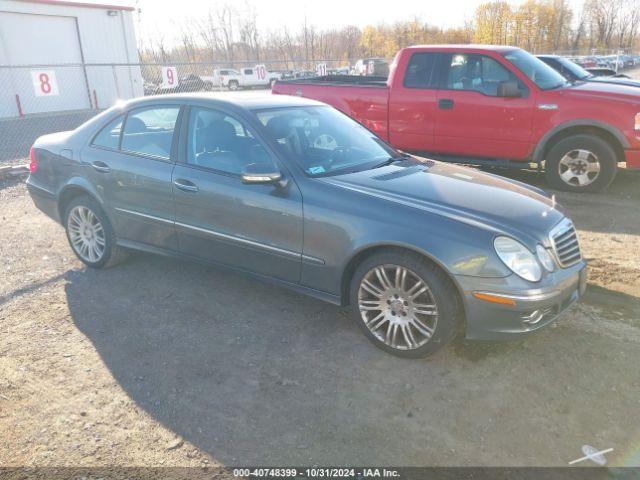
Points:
x=86, y=234
x=579, y=168
x=397, y=306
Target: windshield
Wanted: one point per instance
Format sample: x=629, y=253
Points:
x=324, y=141
x=538, y=72
x=575, y=69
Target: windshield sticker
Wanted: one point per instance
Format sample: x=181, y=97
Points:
x=316, y=170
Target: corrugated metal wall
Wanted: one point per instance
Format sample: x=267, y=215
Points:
x=41, y=36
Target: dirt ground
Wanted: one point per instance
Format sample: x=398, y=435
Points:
x=165, y=363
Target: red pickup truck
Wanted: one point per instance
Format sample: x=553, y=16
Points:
x=491, y=105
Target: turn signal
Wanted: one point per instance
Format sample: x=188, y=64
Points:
x=494, y=298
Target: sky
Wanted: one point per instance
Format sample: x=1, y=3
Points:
x=167, y=16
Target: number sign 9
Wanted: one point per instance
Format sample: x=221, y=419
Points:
x=169, y=77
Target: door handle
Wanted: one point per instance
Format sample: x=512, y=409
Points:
x=445, y=104
x=99, y=166
x=185, y=185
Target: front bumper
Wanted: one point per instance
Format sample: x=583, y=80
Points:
x=532, y=308
x=633, y=158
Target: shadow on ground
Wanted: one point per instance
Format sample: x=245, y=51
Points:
x=253, y=374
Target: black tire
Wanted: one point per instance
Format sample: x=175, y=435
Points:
x=450, y=312
x=113, y=254
x=234, y=85
x=602, y=151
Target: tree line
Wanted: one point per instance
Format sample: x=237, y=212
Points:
x=229, y=34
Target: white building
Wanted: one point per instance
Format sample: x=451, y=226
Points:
x=65, y=56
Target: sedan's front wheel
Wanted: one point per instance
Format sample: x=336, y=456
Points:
x=90, y=234
x=405, y=304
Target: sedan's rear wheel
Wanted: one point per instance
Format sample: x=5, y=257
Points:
x=90, y=234
x=404, y=304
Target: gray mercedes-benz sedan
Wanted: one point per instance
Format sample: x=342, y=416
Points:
x=293, y=191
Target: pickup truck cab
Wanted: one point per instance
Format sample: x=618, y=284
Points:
x=250, y=77
x=492, y=105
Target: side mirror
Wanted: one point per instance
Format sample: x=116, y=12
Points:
x=509, y=89
x=262, y=173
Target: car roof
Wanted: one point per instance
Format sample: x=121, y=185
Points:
x=227, y=99
x=464, y=47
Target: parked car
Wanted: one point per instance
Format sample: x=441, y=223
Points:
x=574, y=72
x=377, y=67
x=294, y=191
x=497, y=106
x=188, y=83
x=257, y=76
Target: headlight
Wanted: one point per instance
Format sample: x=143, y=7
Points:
x=518, y=258
x=545, y=259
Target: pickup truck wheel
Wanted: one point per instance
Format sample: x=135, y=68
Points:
x=233, y=85
x=404, y=304
x=90, y=234
x=581, y=163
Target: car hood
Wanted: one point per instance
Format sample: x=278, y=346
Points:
x=616, y=81
x=605, y=90
x=463, y=194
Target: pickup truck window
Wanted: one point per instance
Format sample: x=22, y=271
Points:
x=477, y=73
x=324, y=141
x=535, y=69
x=248, y=71
x=420, y=71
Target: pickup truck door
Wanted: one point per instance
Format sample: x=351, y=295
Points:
x=471, y=120
x=412, y=111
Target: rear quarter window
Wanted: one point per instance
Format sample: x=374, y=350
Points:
x=109, y=135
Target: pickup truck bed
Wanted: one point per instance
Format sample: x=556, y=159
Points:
x=345, y=92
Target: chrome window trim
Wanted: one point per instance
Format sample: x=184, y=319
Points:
x=223, y=236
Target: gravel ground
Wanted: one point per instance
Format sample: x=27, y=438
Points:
x=161, y=362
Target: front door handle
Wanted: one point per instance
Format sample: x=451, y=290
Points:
x=445, y=104
x=101, y=167
x=185, y=185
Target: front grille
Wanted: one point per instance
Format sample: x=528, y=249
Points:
x=565, y=243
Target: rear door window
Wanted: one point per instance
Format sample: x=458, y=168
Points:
x=149, y=131
x=421, y=71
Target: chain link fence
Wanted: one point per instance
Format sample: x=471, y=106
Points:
x=40, y=99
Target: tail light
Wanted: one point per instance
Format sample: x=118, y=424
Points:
x=33, y=162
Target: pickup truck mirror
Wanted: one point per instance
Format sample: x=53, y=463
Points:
x=262, y=173
x=509, y=89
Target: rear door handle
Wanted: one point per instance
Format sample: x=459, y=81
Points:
x=99, y=166
x=185, y=185
x=445, y=104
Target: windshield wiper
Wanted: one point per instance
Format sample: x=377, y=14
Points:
x=392, y=160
